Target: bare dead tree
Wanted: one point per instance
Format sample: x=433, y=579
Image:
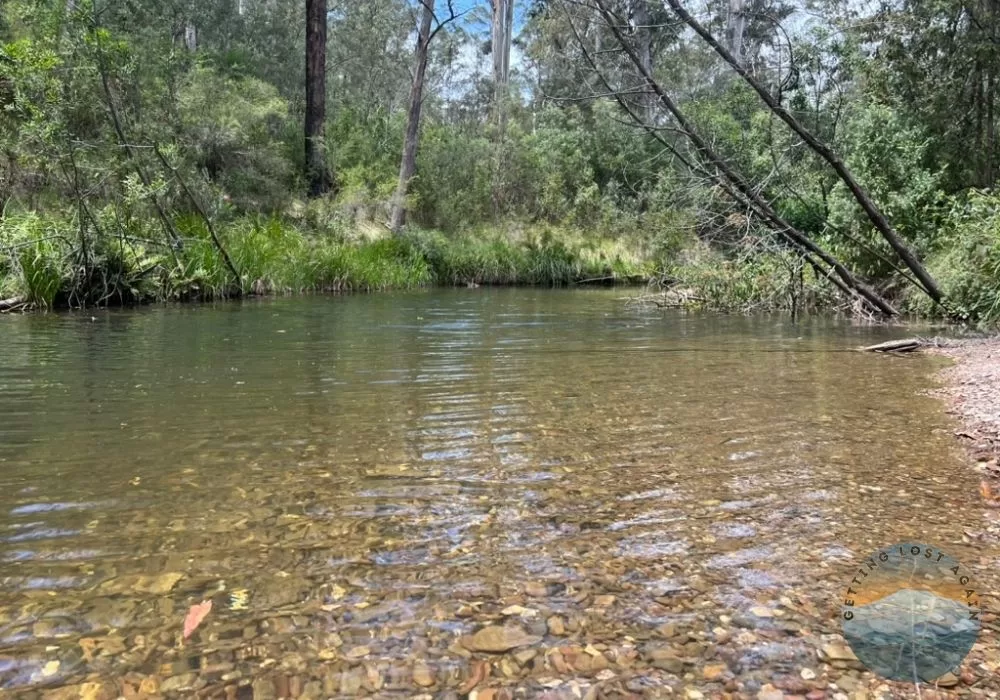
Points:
x=927, y=283
x=727, y=178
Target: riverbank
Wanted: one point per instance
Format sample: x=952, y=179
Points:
x=43, y=265
x=971, y=389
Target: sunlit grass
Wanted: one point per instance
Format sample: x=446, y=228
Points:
x=274, y=256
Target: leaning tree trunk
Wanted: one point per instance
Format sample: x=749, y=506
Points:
x=875, y=215
x=316, y=171
x=408, y=165
x=738, y=188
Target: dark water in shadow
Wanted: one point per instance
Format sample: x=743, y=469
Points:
x=377, y=476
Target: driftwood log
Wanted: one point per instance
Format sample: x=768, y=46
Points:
x=12, y=304
x=896, y=346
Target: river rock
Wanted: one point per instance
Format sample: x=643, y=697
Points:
x=156, y=585
x=423, y=675
x=177, y=683
x=496, y=639
x=536, y=589
x=847, y=683
x=769, y=692
x=264, y=689
x=85, y=691
x=948, y=680
x=712, y=672
x=667, y=661
x=523, y=657
x=837, y=651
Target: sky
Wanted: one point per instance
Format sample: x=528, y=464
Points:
x=470, y=58
x=520, y=10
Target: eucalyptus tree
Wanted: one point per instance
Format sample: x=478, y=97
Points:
x=430, y=25
x=317, y=171
x=501, y=39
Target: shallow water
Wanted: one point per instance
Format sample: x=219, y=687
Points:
x=378, y=476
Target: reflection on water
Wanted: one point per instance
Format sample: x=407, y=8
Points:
x=385, y=475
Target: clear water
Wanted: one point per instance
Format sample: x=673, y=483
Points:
x=378, y=476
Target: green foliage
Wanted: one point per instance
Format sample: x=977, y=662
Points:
x=232, y=129
x=887, y=155
x=764, y=281
x=967, y=264
x=560, y=191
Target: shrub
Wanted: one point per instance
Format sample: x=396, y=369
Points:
x=967, y=265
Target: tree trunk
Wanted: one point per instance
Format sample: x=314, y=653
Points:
x=408, y=166
x=736, y=23
x=501, y=35
x=875, y=215
x=190, y=36
x=639, y=10
x=316, y=171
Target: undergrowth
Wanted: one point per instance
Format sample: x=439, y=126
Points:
x=47, y=262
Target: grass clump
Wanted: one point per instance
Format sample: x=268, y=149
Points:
x=547, y=258
x=44, y=261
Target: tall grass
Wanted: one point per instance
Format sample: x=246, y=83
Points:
x=274, y=256
x=546, y=259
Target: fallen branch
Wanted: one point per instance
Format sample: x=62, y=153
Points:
x=12, y=304
x=896, y=346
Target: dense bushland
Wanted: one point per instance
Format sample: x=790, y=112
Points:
x=139, y=140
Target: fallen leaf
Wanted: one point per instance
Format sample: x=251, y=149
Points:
x=195, y=616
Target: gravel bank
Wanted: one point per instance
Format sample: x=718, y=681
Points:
x=971, y=387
